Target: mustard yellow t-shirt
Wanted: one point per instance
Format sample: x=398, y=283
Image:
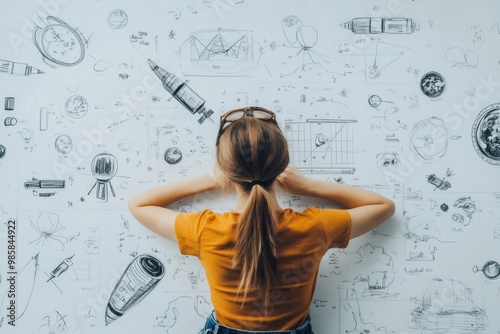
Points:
x=304, y=237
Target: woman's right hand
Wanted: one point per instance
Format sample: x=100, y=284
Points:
x=292, y=181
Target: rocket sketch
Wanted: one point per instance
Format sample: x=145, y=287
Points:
x=136, y=282
x=182, y=92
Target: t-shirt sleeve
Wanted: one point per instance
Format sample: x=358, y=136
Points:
x=337, y=224
x=188, y=228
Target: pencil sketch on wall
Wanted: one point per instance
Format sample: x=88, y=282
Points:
x=322, y=145
x=182, y=92
x=117, y=19
x=59, y=43
x=429, y=139
x=104, y=167
x=47, y=225
x=221, y=52
x=432, y=84
x=136, y=282
x=379, y=25
x=491, y=269
x=18, y=69
x=447, y=306
x=485, y=134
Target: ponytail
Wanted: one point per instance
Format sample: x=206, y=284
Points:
x=251, y=154
x=255, y=250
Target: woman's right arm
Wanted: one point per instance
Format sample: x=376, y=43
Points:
x=367, y=209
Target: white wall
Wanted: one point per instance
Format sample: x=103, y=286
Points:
x=294, y=57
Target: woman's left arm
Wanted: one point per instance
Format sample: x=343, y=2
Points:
x=149, y=207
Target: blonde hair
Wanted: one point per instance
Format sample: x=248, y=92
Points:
x=254, y=150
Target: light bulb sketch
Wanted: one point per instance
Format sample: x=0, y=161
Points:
x=104, y=167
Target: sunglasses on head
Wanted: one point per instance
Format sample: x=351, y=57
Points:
x=237, y=114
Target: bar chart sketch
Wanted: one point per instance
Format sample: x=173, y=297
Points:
x=322, y=146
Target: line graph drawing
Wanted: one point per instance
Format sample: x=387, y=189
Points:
x=221, y=52
x=26, y=278
x=322, y=145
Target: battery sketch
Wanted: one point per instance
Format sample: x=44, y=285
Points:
x=137, y=281
x=182, y=92
x=50, y=184
x=9, y=103
x=10, y=121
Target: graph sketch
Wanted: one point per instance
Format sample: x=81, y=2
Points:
x=322, y=145
x=221, y=52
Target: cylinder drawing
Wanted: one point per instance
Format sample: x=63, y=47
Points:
x=138, y=280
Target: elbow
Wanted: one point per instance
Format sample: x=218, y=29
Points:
x=391, y=208
x=132, y=205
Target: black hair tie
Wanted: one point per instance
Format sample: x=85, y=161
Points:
x=249, y=185
x=259, y=182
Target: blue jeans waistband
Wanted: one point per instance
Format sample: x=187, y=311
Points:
x=212, y=326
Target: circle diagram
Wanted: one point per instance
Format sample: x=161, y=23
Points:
x=59, y=43
x=486, y=134
x=117, y=19
x=173, y=155
x=63, y=144
x=429, y=138
x=374, y=101
x=3, y=150
x=432, y=84
x=76, y=106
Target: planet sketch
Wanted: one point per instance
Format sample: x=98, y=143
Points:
x=2, y=151
x=63, y=144
x=76, y=106
x=432, y=84
x=117, y=19
x=173, y=155
x=486, y=134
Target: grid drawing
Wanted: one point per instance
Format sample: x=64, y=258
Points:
x=322, y=146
